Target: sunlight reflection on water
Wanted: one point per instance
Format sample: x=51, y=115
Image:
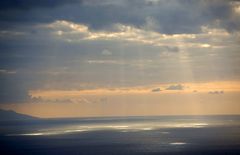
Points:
x=177, y=143
x=130, y=127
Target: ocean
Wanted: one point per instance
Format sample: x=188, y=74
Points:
x=163, y=135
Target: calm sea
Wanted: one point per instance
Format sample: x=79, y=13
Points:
x=184, y=135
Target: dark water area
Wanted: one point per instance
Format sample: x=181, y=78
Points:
x=183, y=135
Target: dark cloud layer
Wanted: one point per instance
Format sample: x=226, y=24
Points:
x=30, y=4
x=13, y=91
x=182, y=16
x=175, y=87
x=156, y=90
x=216, y=92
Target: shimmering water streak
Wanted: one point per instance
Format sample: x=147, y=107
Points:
x=128, y=124
x=130, y=127
x=177, y=143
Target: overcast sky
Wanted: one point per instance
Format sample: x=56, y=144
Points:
x=108, y=53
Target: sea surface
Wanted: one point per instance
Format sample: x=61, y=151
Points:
x=164, y=135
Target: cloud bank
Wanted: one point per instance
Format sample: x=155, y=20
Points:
x=91, y=44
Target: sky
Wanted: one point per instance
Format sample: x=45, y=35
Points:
x=91, y=58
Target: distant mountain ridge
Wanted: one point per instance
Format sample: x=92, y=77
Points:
x=12, y=115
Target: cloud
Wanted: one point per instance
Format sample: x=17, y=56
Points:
x=106, y=52
x=41, y=100
x=71, y=32
x=116, y=43
x=3, y=71
x=112, y=62
x=216, y=92
x=156, y=90
x=41, y=56
x=15, y=86
x=29, y=4
x=59, y=100
x=168, y=17
x=13, y=95
x=175, y=87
